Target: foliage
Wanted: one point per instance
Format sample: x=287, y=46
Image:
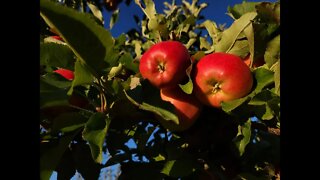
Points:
x=109, y=104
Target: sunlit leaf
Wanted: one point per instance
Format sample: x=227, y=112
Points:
x=89, y=41
x=230, y=35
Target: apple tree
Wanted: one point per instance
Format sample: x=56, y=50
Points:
x=99, y=109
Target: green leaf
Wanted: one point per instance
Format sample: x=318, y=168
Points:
x=230, y=35
x=269, y=12
x=50, y=159
x=127, y=60
x=240, y=9
x=249, y=33
x=56, y=55
x=276, y=68
x=264, y=77
x=147, y=98
x=96, y=12
x=82, y=76
x=115, y=71
x=243, y=137
x=272, y=54
x=114, y=18
x=51, y=95
x=240, y=48
x=178, y=168
x=213, y=31
x=149, y=9
x=89, y=41
x=68, y=122
x=56, y=80
x=95, y=132
x=188, y=87
x=231, y=105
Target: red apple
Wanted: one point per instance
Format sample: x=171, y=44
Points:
x=68, y=74
x=187, y=108
x=165, y=63
x=221, y=77
x=57, y=38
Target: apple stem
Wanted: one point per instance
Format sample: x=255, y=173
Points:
x=161, y=67
x=216, y=88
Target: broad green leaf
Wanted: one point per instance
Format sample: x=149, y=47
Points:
x=56, y=80
x=50, y=159
x=51, y=95
x=82, y=76
x=262, y=97
x=89, y=41
x=147, y=98
x=128, y=62
x=272, y=54
x=178, y=168
x=197, y=56
x=204, y=43
x=114, y=18
x=95, y=132
x=231, y=105
x=56, y=55
x=68, y=122
x=230, y=35
x=243, y=137
x=240, y=9
x=264, y=77
x=240, y=48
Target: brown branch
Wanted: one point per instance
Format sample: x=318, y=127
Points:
x=275, y=131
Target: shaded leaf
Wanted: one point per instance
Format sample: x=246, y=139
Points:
x=240, y=48
x=51, y=95
x=56, y=55
x=243, y=137
x=127, y=61
x=89, y=41
x=94, y=132
x=147, y=98
x=68, y=122
x=178, y=168
x=82, y=76
x=188, y=87
x=50, y=159
x=230, y=35
x=264, y=77
x=272, y=54
x=56, y=80
x=276, y=68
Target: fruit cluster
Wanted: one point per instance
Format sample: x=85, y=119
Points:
x=217, y=77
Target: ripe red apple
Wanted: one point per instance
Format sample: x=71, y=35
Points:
x=68, y=74
x=165, y=63
x=187, y=108
x=221, y=77
x=57, y=38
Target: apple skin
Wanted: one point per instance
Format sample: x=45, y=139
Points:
x=68, y=74
x=221, y=77
x=187, y=108
x=164, y=64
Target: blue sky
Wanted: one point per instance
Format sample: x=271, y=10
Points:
x=215, y=11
